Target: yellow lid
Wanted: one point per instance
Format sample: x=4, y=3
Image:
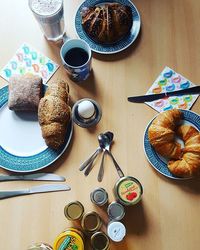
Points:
x=69, y=239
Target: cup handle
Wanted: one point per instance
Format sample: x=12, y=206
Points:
x=65, y=38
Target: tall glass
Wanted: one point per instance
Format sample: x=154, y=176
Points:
x=49, y=14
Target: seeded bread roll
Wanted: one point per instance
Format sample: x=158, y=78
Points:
x=54, y=114
x=24, y=92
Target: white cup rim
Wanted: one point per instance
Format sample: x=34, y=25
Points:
x=89, y=52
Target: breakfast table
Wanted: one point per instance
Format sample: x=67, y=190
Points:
x=167, y=217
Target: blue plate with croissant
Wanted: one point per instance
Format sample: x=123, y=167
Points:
x=172, y=143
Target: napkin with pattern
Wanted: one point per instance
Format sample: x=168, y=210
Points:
x=29, y=60
x=169, y=80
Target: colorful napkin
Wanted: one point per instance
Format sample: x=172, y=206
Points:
x=29, y=60
x=169, y=80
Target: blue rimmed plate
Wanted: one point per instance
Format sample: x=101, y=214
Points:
x=113, y=48
x=158, y=162
x=22, y=148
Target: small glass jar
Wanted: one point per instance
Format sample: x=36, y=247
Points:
x=99, y=196
x=115, y=211
x=40, y=246
x=116, y=231
x=74, y=210
x=128, y=191
x=100, y=241
x=91, y=222
x=72, y=238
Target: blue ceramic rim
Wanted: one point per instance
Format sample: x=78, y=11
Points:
x=113, y=48
x=35, y=162
x=153, y=158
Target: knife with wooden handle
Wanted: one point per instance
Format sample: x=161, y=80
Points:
x=153, y=97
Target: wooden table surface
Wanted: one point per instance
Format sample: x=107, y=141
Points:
x=168, y=215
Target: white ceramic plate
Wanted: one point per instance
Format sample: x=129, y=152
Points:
x=158, y=162
x=22, y=148
x=111, y=48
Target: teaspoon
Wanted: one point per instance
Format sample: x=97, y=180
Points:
x=106, y=141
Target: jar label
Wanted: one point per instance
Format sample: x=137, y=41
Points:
x=70, y=242
x=129, y=191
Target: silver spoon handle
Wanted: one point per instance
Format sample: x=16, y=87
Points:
x=101, y=169
x=84, y=164
x=90, y=165
x=119, y=171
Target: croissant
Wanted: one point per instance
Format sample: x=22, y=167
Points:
x=161, y=134
x=54, y=114
x=189, y=164
x=107, y=23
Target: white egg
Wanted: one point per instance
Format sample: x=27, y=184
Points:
x=86, y=109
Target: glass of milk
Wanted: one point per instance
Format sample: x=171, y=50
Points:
x=49, y=14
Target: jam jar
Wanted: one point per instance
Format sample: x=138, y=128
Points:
x=128, y=191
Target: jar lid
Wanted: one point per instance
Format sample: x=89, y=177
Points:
x=99, y=196
x=91, y=222
x=128, y=190
x=116, y=231
x=82, y=113
x=116, y=211
x=69, y=239
x=74, y=210
x=100, y=241
x=40, y=246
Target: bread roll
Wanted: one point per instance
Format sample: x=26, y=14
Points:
x=54, y=114
x=24, y=92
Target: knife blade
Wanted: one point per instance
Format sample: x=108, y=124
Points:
x=32, y=177
x=35, y=189
x=153, y=97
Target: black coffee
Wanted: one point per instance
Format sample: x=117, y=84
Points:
x=76, y=57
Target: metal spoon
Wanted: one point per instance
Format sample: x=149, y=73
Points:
x=101, y=169
x=106, y=141
x=90, y=159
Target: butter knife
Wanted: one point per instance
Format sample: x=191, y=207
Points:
x=36, y=189
x=32, y=177
x=153, y=97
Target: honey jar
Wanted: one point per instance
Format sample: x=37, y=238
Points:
x=91, y=222
x=71, y=238
x=74, y=210
x=100, y=241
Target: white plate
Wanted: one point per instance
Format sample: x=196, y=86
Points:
x=22, y=148
x=158, y=162
x=111, y=48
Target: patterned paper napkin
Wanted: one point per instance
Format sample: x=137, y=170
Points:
x=29, y=60
x=169, y=80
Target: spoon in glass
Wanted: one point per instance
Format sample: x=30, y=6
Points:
x=105, y=141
